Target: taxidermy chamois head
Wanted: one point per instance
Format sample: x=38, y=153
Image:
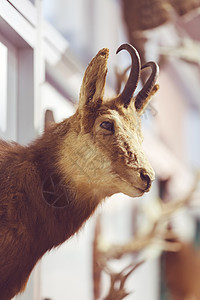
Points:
x=50, y=188
x=110, y=132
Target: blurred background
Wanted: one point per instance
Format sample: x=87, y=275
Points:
x=45, y=46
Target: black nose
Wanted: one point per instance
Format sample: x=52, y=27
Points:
x=146, y=179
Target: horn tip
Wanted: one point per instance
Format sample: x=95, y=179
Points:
x=153, y=65
x=132, y=50
x=124, y=46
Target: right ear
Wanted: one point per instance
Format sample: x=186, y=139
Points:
x=92, y=88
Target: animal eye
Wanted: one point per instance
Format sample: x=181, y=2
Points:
x=107, y=125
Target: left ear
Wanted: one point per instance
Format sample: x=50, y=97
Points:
x=92, y=88
x=141, y=105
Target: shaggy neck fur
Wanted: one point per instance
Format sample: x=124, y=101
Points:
x=52, y=211
x=66, y=189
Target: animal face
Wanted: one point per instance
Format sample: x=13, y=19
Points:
x=117, y=136
x=109, y=157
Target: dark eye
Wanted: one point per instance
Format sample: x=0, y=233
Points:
x=107, y=125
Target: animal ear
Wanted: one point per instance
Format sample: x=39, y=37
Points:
x=92, y=88
x=49, y=119
x=146, y=101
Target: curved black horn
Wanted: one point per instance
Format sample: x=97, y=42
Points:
x=127, y=93
x=144, y=93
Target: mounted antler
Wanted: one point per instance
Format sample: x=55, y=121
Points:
x=117, y=289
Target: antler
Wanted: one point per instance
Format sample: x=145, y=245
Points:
x=146, y=90
x=117, y=289
x=132, y=82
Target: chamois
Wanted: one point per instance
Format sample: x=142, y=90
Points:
x=49, y=188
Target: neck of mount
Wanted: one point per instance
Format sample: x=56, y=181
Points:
x=65, y=203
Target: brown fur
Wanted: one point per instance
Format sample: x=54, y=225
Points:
x=51, y=187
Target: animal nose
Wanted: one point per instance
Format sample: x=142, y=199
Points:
x=145, y=178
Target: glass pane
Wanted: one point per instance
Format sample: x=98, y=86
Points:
x=3, y=86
